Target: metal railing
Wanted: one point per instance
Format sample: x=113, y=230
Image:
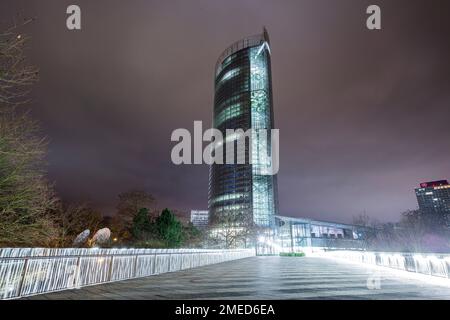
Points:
x=437, y=265
x=31, y=271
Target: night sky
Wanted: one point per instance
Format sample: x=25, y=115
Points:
x=363, y=115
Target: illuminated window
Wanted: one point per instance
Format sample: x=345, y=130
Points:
x=227, y=197
x=228, y=113
x=228, y=75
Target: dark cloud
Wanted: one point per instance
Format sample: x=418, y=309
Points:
x=363, y=115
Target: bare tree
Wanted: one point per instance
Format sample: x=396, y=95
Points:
x=232, y=230
x=25, y=195
x=362, y=220
x=408, y=235
x=129, y=204
x=412, y=231
x=16, y=75
x=74, y=218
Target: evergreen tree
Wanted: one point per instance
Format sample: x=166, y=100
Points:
x=169, y=229
x=142, y=225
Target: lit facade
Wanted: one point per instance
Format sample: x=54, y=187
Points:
x=200, y=218
x=433, y=199
x=298, y=234
x=242, y=194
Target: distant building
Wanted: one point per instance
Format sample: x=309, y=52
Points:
x=434, y=199
x=296, y=234
x=200, y=218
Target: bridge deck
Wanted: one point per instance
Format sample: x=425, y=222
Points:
x=264, y=278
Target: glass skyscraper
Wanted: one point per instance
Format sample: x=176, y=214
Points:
x=243, y=193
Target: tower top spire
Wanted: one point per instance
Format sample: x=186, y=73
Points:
x=266, y=35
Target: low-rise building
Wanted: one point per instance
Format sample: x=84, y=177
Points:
x=200, y=218
x=296, y=234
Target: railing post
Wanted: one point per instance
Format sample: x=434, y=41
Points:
x=135, y=266
x=429, y=267
x=154, y=265
x=181, y=264
x=22, y=278
x=77, y=272
x=170, y=258
x=110, y=268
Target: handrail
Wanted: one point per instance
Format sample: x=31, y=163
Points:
x=28, y=275
x=109, y=255
x=436, y=265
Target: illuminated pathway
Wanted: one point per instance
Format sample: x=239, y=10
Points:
x=264, y=278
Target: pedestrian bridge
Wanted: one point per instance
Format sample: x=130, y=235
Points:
x=268, y=277
x=218, y=274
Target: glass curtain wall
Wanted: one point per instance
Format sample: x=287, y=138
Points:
x=239, y=193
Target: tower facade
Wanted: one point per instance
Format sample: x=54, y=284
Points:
x=244, y=193
x=434, y=201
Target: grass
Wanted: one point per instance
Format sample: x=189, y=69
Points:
x=292, y=254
